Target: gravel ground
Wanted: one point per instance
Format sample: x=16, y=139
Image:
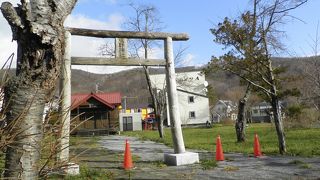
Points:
x=237, y=166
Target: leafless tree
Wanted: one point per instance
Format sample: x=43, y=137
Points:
x=37, y=26
x=311, y=72
x=146, y=20
x=251, y=40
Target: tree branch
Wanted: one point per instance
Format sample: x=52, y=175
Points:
x=291, y=8
x=63, y=8
x=249, y=81
x=11, y=15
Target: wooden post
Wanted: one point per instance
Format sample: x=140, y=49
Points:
x=65, y=91
x=121, y=47
x=175, y=120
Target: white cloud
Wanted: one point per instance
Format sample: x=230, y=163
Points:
x=81, y=46
x=13, y=2
x=89, y=47
x=188, y=60
x=7, y=46
x=99, y=1
x=154, y=53
x=113, y=22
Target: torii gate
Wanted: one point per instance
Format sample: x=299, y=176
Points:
x=180, y=156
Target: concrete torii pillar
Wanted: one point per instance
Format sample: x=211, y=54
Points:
x=180, y=156
x=65, y=93
x=65, y=108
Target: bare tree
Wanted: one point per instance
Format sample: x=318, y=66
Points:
x=146, y=20
x=37, y=26
x=311, y=72
x=252, y=39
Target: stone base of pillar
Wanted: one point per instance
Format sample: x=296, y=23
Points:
x=181, y=159
x=71, y=169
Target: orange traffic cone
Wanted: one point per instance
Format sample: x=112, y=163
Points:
x=256, y=147
x=127, y=163
x=219, y=151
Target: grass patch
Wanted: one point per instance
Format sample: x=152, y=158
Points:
x=299, y=141
x=296, y=162
x=229, y=159
x=208, y=164
x=159, y=164
x=301, y=164
x=85, y=142
x=85, y=174
x=230, y=168
x=306, y=166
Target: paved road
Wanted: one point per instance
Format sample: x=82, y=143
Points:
x=238, y=166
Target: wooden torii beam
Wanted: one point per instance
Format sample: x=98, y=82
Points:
x=99, y=61
x=127, y=34
x=121, y=61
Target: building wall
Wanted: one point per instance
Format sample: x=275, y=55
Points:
x=200, y=107
x=224, y=109
x=136, y=121
x=109, y=120
x=260, y=114
x=221, y=110
x=190, y=82
x=144, y=112
x=114, y=116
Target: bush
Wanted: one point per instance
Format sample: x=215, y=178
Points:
x=227, y=121
x=299, y=117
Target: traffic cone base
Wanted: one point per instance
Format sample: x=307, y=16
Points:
x=256, y=147
x=127, y=163
x=219, y=150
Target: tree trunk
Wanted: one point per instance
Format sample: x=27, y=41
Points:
x=26, y=106
x=153, y=96
x=26, y=95
x=276, y=108
x=154, y=102
x=161, y=131
x=160, y=126
x=37, y=25
x=278, y=123
x=241, y=121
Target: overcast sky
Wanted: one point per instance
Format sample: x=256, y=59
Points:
x=192, y=17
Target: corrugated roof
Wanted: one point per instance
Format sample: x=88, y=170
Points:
x=109, y=99
x=112, y=98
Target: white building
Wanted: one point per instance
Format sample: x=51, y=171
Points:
x=224, y=109
x=130, y=122
x=193, y=102
x=262, y=112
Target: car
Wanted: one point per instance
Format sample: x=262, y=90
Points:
x=150, y=120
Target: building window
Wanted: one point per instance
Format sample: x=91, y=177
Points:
x=191, y=99
x=192, y=114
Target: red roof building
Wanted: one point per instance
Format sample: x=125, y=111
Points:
x=109, y=99
x=95, y=111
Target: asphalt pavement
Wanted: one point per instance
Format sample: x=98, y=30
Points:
x=236, y=166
